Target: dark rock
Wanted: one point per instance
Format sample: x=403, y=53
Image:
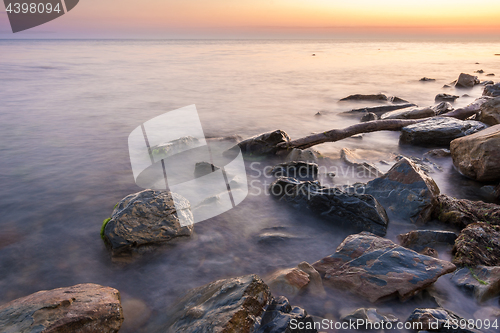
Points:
x=82, y=308
x=366, y=169
x=478, y=244
x=368, y=116
x=406, y=191
x=485, y=83
x=369, y=98
x=264, y=144
x=382, y=108
x=446, y=86
x=466, y=81
x=442, y=108
x=477, y=156
x=445, y=98
x=147, y=218
x=428, y=251
x=231, y=305
x=439, y=131
x=318, y=113
x=490, y=112
x=397, y=100
x=418, y=240
x=278, y=316
x=438, y=153
x=479, y=71
x=490, y=74
x=488, y=192
x=492, y=90
x=358, y=211
x=376, y=268
x=481, y=282
x=303, y=155
x=426, y=79
x=437, y=320
x=410, y=113
x=462, y=212
x=369, y=316
x=297, y=170
x=204, y=168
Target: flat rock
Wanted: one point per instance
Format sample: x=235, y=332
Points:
x=442, y=108
x=279, y=314
x=357, y=211
x=490, y=112
x=439, y=131
x=376, y=268
x=369, y=316
x=297, y=170
x=144, y=219
x=418, y=240
x=368, y=98
x=492, y=90
x=436, y=320
x=405, y=191
x=261, y=145
x=478, y=244
x=466, y=81
x=84, y=308
x=410, y=113
x=477, y=156
x=445, y=98
x=481, y=282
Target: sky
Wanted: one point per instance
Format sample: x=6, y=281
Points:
x=270, y=19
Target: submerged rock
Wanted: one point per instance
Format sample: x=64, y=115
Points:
x=204, y=168
x=492, y=90
x=297, y=170
x=418, y=240
x=405, y=191
x=438, y=320
x=368, y=116
x=410, y=113
x=147, y=218
x=357, y=211
x=477, y=156
x=369, y=316
x=263, y=144
x=445, y=98
x=278, y=316
x=376, y=268
x=466, y=81
x=490, y=112
x=462, y=212
x=427, y=79
x=438, y=131
x=442, y=108
x=369, y=98
x=482, y=282
x=81, y=308
x=478, y=244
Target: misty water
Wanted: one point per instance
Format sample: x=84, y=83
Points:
x=67, y=108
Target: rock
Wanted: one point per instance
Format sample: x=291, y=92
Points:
x=438, y=153
x=426, y=79
x=428, y=251
x=410, y=113
x=204, y=168
x=297, y=170
x=315, y=286
x=418, y=240
x=173, y=147
x=480, y=71
x=446, y=86
x=369, y=316
x=482, y=282
x=318, y=113
x=397, y=100
x=462, y=212
x=136, y=314
x=84, y=308
x=446, y=98
x=436, y=320
x=442, y=108
x=273, y=235
x=376, y=268
x=490, y=112
x=466, y=81
x=368, y=116
x=144, y=219
x=303, y=155
x=278, y=316
x=490, y=74
x=492, y=90
x=406, y=191
x=477, y=156
x=369, y=98
x=488, y=192
x=231, y=305
x=264, y=144
x=478, y=244
x=366, y=169
x=439, y=131
x=358, y=211
x=289, y=282
x=485, y=83
x=382, y=108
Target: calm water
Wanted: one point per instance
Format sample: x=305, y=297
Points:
x=67, y=107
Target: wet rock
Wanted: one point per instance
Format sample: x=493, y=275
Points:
x=478, y=244
x=369, y=316
x=82, y=308
x=445, y=98
x=439, y=131
x=368, y=116
x=367, y=98
x=366, y=169
x=230, y=305
x=492, y=90
x=480, y=71
x=481, y=282
x=462, y=212
x=303, y=155
x=376, y=268
x=488, y=192
x=397, y=100
x=418, y=240
x=442, y=108
x=204, y=168
x=490, y=74
x=438, y=153
x=436, y=320
x=477, y=156
x=490, y=112
x=410, y=113
x=426, y=79
x=173, y=147
x=144, y=219
x=278, y=317
x=357, y=211
x=428, y=251
x=289, y=282
x=485, y=83
x=382, y=108
x=406, y=191
x=466, y=81
x=274, y=235
x=297, y=170
x=264, y=144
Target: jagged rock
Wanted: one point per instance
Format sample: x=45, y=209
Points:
x=482, y=282
x=369, y=316
x=492, y=90
x=466, y=81
x=263, y=144
x=369, y=98
x=362, y=167
x=382, y=108
x=144, y=219
x=358, y=211
x=303, y=155
x=477, y=156
x=490, y=112
x=445, y=98
x=438, y=131
x=368, y=116
x=376, y=268
x=462, y=212
x=278, y=318
x=418, y=240
x=297, y=170
x=406, y=191
x=410, y=113
x=427, y=79
x=438, y=153
x=442, y=108
x=478, y=244
x=437, y=320
x=232, y=305
x=397, y=100
x=84, y=308
x=289, y=282
x=204, y=168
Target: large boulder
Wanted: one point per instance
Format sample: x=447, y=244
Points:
x=405, y=191
x=410, y=113
x=261, y=145
x=482, y=282
x=279, y=315
x=466, y=81
x=418, y=240
x=490, y=112
x=478, y=244
x=376, y=268
x=477, y=156
x=439, y=131
x=439, y=320
x=146, y=219
x=357, y=211
x=84, y=308
x=492, y=90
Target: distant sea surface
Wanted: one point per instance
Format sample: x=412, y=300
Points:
x=68, y=106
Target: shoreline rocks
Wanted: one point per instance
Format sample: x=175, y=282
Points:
x=418, y=240
x=492, y=90
x=481, y=282
x=490, y=112
x=478, y=244
x=261, y=145
x=410, y=113
x=466, y=81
